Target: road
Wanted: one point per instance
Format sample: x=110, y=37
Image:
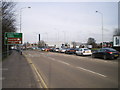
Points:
x=70, y=71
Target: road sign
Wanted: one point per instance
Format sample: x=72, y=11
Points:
x=116, y=41
x=12, y=38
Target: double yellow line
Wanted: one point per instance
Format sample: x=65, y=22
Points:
x=42, y=82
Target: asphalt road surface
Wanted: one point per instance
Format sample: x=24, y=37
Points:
x=70, y=71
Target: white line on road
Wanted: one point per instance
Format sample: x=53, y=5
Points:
x=58, y=61
x=91, y=71
x=64, y=62
x=77, y=67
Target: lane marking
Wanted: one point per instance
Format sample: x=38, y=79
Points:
x=91, y=71
x=59, y=61
x=64, y=62
x=43, y=82
x=37, y=72
x=78, y=67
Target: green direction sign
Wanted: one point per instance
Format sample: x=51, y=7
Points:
x=12, y=38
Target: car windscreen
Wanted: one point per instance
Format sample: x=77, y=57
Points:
x=86, y=49
x=72, y=49
x=111, y=50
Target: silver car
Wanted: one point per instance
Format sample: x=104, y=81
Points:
x=83, y=51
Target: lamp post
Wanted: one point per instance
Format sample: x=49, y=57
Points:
x=21, y=16
x=102, y=24
x=21, y=23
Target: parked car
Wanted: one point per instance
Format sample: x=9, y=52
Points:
x=106, y=53
x=70, y=51
x=42, y=49
x=52, y=49
x=56, y=49
x=62, y=50
x=47, y=49
x=83, y=51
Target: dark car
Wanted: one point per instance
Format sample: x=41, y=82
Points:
x=106, y=53
x=70, y=51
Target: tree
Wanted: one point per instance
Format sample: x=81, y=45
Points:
x=8, y=20
x=91, y=41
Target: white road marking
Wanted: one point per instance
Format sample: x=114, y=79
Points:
x=41, y=53
x=77, y=67
x=58, y=61
x=63, y=62
x=91, y=71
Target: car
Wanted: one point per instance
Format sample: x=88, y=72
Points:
x=83, y=51
x=42, y=49
x=56, y=49
x=106, y=53
x=51, y=49
x=47, y=49
x=70, y=51
x=62, y=50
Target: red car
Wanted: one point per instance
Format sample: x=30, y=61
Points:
x=47, y=49
x=70, y=51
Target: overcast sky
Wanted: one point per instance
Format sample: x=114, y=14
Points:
x=68, y=21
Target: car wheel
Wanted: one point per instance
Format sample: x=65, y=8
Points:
x=115, y=58
x=105, y=57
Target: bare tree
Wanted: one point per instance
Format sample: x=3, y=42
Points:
x=117, y=31
x=8, y=19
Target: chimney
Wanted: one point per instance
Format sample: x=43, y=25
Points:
x=39, y=37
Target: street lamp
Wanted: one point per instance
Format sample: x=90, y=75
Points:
x=21, y=16
x=102, y=24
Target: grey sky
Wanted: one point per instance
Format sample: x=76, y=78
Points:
x=68, y=21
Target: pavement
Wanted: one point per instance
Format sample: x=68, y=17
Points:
x=17, y=73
